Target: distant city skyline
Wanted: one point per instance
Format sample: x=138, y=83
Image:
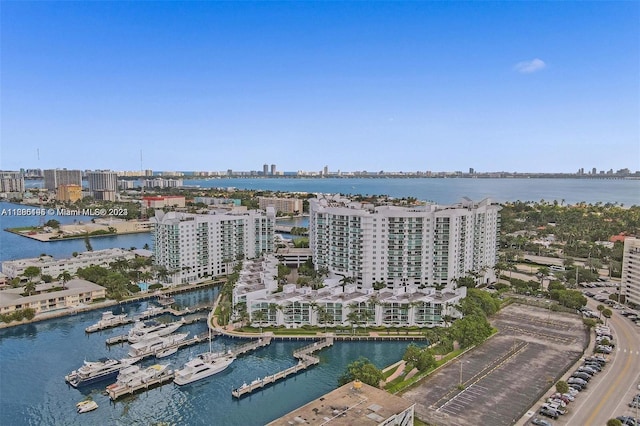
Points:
x=533, y=87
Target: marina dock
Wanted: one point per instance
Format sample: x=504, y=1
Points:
x=306, y=360
x=251, y=346
x=129, y=390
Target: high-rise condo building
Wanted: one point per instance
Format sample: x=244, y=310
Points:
x=53, y=178
x=192, y=247
x=103, y=184
x=396, y=246
x=630, y=283
x=11, y=182
x=265, y=169
x=273, y=170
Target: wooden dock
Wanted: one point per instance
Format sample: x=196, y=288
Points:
x=115, y=393
x=251, y=346
x=306, y=360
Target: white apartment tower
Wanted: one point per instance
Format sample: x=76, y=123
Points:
x=11, y=182
x=193, y=247
x=630, y=283
x=426, y=246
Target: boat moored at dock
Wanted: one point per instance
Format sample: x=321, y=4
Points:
x=150, y=329
x=151, y=346
x=96, y=371
x=202, y=366
x=108, y=320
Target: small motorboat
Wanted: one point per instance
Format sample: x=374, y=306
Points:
x=86, y=406
x=166, y=352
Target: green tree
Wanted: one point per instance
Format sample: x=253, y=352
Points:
x=562, y=387
x=607, y=313
x=30, y=272
x=64, y=278
x=52, y=223
x=259, y=317
x=420, y=358
x=29, y=288
x=362, y=369
x=46, y=278
x=614, y=422
x=600, y=308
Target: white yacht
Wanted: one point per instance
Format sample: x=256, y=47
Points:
x=155, y=344
x=150, y=329
x=132, y=377
x=202, y=366
x=108, y=319
x=96, y=371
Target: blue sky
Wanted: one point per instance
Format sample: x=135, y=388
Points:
x=394, y=86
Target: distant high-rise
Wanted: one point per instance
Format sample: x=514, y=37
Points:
x=265, y=169
x=53, y=178
x=273, y=170
x=594, y=171
x=471, y=170
x=103, y=184
x=11, y=182
x=325, y=170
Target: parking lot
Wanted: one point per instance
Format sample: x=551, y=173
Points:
x=497, y=382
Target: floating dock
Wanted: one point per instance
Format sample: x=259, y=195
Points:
x=306, y=360
x=129, y=390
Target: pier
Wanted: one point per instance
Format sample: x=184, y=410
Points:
x=251, y=346
x=115, y=393
x=306, y=360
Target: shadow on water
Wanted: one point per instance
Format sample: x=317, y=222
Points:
x=26, y=330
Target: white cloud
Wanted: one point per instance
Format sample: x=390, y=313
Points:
x=528, y=67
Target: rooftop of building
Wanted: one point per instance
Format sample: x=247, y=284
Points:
x=13, y=296
x=352, y=404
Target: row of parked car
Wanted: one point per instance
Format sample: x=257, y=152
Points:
x=556, y=404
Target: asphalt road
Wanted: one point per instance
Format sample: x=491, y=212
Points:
x=610, y=392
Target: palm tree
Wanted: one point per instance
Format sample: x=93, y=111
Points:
x=64, y=278
x=29, y=287
x=259, y=316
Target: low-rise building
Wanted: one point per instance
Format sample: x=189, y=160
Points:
x=282, y=205
x=54, y=267
x=52, y=296
x=339, y=303
x=160, y=202
x=355, y=403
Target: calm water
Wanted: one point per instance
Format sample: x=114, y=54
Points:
x=13, y=246
x=36, y=357
x=446, y=191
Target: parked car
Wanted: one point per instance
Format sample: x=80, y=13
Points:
x=593, y=365
x=540, y=422
x=627, y=421
x=583, y=376
x=547, y=412
x=588, y=370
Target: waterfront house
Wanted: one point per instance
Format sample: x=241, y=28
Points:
x=51, y=296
